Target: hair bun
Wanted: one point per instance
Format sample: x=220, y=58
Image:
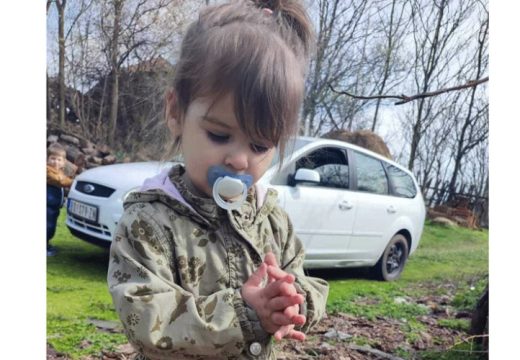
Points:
x=292, y=17
x=273, y=5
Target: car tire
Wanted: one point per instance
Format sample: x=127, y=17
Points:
x=392, y=261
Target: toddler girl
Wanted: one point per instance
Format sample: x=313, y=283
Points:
x=204, y=263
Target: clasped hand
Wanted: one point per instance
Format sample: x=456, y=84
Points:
x=277, y=304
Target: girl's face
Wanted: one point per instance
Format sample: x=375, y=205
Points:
x=211, y=136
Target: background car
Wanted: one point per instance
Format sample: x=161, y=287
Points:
x=349, y=206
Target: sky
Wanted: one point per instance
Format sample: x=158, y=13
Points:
x=23, y=60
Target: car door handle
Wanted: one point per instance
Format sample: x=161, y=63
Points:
x=391, y=209
x=345, y=205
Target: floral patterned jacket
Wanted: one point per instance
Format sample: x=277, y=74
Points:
x=177, y=264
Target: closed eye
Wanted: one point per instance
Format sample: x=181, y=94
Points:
x=217, y=138
x=259, y=149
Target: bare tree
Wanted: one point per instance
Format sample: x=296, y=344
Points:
x=393, y=25
x=114, y=65
x=473, y=129
x=437, y=42
x=339, y=33
x=129, y=34
x=60, y=5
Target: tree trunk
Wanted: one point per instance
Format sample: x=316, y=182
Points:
x=61, y=61
x=118, y=4
x=386, y=70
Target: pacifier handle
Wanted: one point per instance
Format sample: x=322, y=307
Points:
x=226, y=185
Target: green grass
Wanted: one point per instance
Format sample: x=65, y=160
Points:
x=77, y=292
x=77, y=289
x=456, y=254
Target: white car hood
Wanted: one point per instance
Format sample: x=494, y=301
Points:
x=123, y=176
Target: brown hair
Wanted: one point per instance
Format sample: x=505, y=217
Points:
x=260, y=58
x=56, y=149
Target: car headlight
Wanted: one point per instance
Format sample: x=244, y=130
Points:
x=129, y=192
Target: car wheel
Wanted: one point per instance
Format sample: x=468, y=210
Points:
x=391, y=263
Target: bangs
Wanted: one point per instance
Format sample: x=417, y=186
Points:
x=265, y=78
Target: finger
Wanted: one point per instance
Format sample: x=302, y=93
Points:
x=280, y=303
x=279, y=274
x=257, y=277
x=282, y=332
x=279, y=288
x=293, y=313
x=292, y=310
x=278, y=318
x=299, y=319
x=270, y=259
x=295, y=335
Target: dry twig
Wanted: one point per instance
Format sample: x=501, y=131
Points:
x=405, y=98
x=379, y=353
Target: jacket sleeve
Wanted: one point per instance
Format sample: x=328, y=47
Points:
x=161, y=319
x=315, y=290
x=57, y=178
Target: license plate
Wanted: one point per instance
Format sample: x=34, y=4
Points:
x=82, y=210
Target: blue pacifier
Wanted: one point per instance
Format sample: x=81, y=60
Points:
x=228, y=185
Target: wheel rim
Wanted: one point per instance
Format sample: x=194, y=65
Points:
x=394, y=259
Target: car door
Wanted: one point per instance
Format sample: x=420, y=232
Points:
x=322, y=213
x=376, y=208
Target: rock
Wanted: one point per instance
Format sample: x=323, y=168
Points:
x=400, y=300
x=94, y=159
x=88, y=150
x=337, y=335
x=52, y=139
x=72, y=153
x=70, y=169
x=91, y=165
x=326, y=346
x=110, y=159
x=107, y=325
x=70, y=139
x=444, y=221
x=104, y=150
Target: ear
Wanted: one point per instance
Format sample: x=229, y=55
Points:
x=172, y=113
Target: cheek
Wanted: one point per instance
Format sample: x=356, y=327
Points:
x=262, y=165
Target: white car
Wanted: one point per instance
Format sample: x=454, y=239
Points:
x=349, y=206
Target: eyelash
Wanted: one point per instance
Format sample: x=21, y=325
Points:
x=222, y=139
x=259, y=149
x=219, y=139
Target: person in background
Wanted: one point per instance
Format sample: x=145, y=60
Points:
x=56, y=182
x=205, y=271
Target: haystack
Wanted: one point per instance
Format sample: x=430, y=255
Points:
x=363, y=138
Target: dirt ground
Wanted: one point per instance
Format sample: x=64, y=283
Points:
x=332, y=338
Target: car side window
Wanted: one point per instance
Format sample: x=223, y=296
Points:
x=332, y=165
x=402, y=183
x=371, y=176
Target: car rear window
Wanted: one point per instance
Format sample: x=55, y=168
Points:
x=402, y=183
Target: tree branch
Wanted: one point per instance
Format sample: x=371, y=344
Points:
x=404, y=98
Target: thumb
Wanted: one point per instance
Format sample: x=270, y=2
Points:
x=257, y=277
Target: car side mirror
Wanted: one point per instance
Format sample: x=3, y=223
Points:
x=307, y=176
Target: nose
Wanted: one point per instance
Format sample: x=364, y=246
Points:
x=237, y=158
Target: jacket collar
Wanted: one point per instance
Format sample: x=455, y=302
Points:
x=170, y=188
